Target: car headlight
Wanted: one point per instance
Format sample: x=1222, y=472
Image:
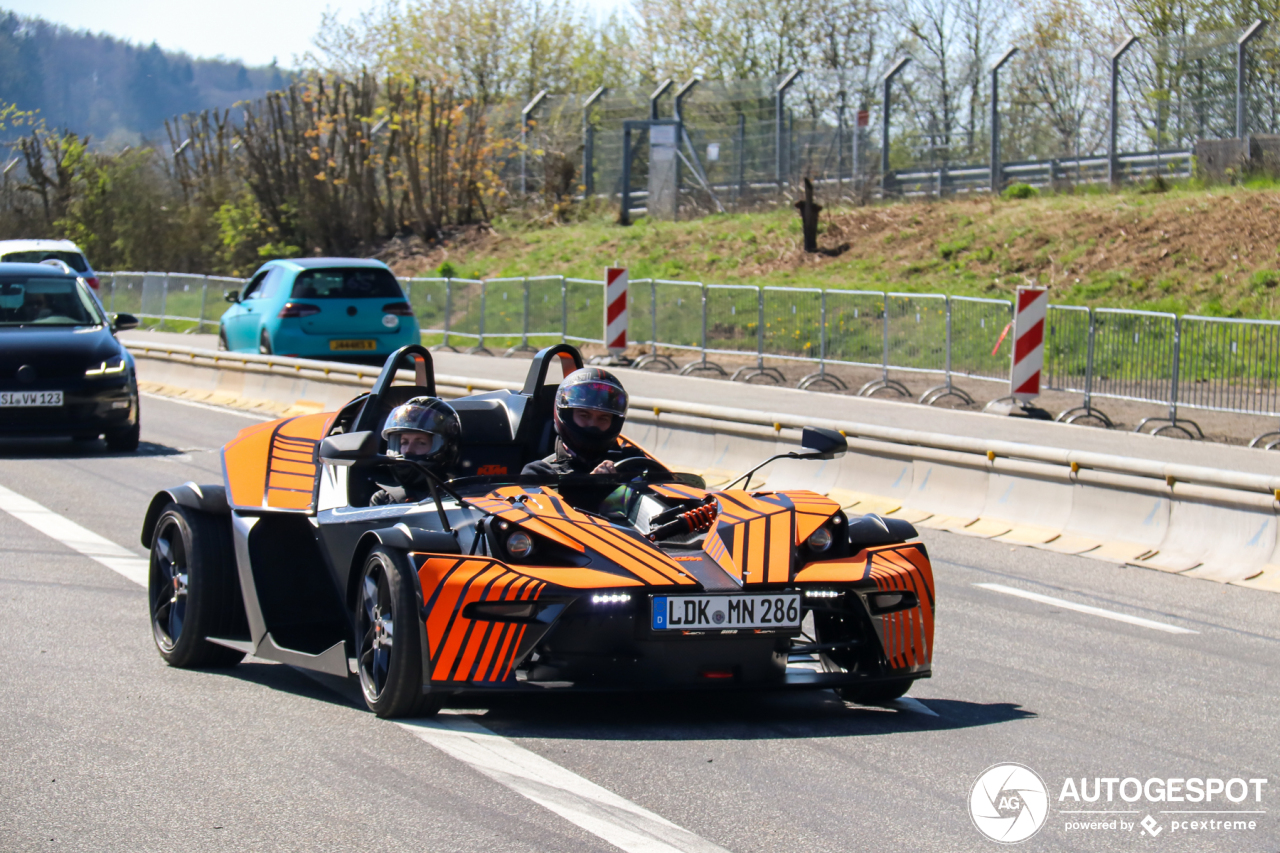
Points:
x=113, y=366
x=519, y=545
x=820, y=540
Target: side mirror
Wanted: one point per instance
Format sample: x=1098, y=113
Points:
x=824, y=443
x=232, y=296
x=349, y=447
x=123, y=322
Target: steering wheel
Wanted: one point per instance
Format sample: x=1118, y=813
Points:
x=637, y=462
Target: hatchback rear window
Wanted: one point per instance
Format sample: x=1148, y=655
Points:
x=352, y=283
x=75, y=260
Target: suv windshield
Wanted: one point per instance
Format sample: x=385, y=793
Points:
x=75, y=260
x=46, y=302
x=346, y=283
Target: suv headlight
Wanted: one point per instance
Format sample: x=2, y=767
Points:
x=113, y=366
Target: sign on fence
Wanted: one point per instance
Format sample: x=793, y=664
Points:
x=615, y=310
x=1028, y=343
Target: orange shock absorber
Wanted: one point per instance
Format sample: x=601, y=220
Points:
x=700, y=518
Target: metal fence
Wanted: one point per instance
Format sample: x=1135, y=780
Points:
x=1045, y=116
x=1189, y=362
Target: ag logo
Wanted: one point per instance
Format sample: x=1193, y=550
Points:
x=1008, y=803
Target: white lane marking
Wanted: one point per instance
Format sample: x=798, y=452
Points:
x=603, y=813
x=1084, y=608
x=223, y=409
x=909, y=704
x=66, y=531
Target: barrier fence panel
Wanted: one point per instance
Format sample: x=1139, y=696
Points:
x=855, y=327
x=976, y=325
x=1133, y=354
x=429, y=299
x=466, y=309
x=732, y=318
x=1230, y=365
x=793, y=323
x=640, y=319
x=126, y=294
x=504, y=312
x=546, y=304
x=679, y=305
x=585, y=306
x=918, y=332
x=1066, y=348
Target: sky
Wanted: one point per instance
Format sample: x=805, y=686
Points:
x=252, y=31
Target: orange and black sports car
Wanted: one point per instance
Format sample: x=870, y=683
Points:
x=637, y=580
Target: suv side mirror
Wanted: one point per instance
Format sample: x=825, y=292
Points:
x=824, y=443
x=232, y=296
x=349, y=447
x=123, y=322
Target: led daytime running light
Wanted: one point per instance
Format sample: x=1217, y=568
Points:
x=110, y=367
x=611, y=598
x=822, y=593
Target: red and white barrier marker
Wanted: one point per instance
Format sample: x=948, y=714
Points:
x=1028, y=343
x=615, y=310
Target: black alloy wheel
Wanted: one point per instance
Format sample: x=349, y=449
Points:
x=125, y=440
x=388, y=640
x=193, y=590
x=264, y=343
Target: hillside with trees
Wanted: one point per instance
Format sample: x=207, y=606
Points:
x=110, y=90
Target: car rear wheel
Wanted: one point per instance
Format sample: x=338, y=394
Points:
x=387, y=639
x=875, y=694
x=194, y=590
x=125, y=440
x=264, y=343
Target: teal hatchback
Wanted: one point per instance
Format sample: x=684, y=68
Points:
x=319, y=308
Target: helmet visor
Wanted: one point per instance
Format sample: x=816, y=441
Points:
x=596, y=396
x=417, y=418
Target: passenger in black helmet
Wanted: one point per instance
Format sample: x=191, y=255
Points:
x=590, y=408
x=424, y=430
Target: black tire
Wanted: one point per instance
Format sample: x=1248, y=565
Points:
x=264, y=343
x=222, y=339
x=125, y=440
x=194, y=590
x=387, y=640
x=876, y=694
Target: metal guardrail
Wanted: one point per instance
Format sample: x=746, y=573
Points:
x=1182, y=362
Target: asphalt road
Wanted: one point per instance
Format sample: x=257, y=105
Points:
x=103, y=747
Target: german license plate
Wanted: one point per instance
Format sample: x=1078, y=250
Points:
x=348, y=346
x=12, y=399
x=718, y=612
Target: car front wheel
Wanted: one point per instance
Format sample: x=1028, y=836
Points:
x=194, y=590
x=264, y=343
x=387, y=640
x=875, y=694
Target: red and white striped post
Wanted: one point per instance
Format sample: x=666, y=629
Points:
x=615, y=310
x=1030, y=312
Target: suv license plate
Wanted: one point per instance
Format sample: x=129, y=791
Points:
x=13, y=399
x=718, y=612
x=340, y=346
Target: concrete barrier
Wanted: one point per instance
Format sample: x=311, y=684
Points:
x=1197, y=521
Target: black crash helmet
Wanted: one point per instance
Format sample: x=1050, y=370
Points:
x=599, y=391
x=432, y=416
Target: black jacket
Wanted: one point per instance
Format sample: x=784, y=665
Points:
x=564, y=461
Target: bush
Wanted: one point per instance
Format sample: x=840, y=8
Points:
x=1020, y=191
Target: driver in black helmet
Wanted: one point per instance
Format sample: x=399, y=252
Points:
x=590, y=408
x=424, y=430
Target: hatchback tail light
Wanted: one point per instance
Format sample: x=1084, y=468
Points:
x=92, y=281
x=400, y=309
x=298, y=309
